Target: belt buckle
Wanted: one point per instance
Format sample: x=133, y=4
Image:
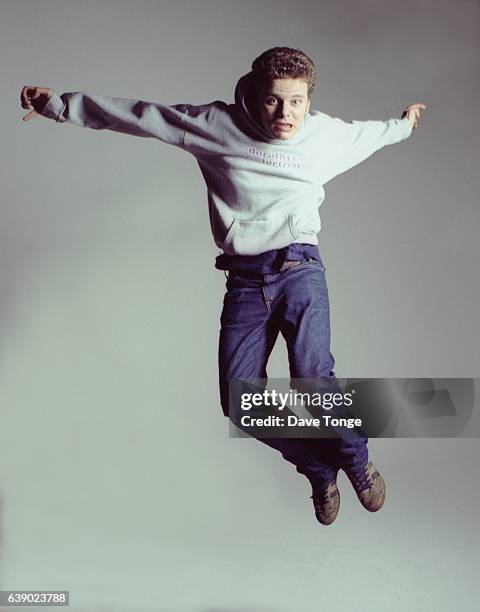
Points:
x=289, y=264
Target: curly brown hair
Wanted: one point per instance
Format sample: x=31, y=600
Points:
x=284, y=62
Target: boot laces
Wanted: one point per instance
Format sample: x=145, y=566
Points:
x=358, y=475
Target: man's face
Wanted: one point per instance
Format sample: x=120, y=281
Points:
x=282, y=105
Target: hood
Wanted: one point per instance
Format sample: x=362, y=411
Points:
x=243, y=106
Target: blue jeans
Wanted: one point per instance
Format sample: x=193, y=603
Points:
x=294, y=302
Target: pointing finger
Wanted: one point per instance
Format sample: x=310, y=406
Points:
x=30, y=115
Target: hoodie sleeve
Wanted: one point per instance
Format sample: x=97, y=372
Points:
x=354, y=142
x=135, y=117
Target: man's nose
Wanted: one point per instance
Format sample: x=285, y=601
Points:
x=283, y=110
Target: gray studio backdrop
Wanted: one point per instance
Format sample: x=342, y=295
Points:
x=118, y=480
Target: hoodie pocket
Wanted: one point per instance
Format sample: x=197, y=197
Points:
x=260, y=235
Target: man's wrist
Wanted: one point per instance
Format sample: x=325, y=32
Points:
x=53, y=108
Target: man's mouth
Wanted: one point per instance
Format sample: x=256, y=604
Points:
x=282, y=125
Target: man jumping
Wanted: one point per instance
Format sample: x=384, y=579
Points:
x=265, y=159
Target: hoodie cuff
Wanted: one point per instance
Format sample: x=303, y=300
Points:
x=53, y=108
x=407, y=126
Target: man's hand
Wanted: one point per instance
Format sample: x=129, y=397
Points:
x=413, y=113
x=34, y=98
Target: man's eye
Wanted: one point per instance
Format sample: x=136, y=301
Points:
x=270, y=101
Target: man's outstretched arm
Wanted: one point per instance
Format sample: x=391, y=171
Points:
x=355, y=141
x=135, y=117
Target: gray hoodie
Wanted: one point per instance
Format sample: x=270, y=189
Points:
x=263, y=194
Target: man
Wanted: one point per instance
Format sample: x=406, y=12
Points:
x=265, y=160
